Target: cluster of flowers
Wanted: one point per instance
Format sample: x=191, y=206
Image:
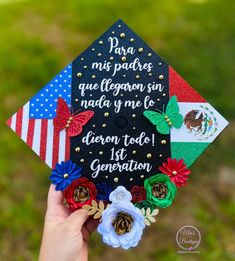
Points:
x=122, y=221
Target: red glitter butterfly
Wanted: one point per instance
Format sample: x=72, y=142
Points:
x=71, y=122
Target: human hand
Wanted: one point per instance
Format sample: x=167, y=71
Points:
x=65, y=235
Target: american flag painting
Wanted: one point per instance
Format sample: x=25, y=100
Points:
x=33, y=123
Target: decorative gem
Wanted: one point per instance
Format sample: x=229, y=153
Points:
x=111, y=58
x=160, y=190
x=82, y=160
x=150, y=74
x=103, y=191
x=142, y=176
x=176, y=170
x=120, y=195
x=133, y=115
x=79, y=193
x=149, y=54
x=149, y=215
x=99, y=54
x=140, y=50
x=123, y=58
x=134, y=152
x=122, y=35
x=100, y=42
x=85, y=66
x=163, y=141
x=116, y=179
x=131, y=179
x=160, y=155
x=64, y=174
x=76, y=100
x=160, y=77
x=137, y=76
x=164, y=121
x=149, y=156
x=101, y=152
x=72, y=123
x=106, y=114
x=104, y=125
x=78, y=149
x=93, y=76
x=122, y=225
x=138, y=194
x=79, y=75
x=132, y=40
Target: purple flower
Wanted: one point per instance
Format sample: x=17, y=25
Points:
x=103, y=191
x=64, y=174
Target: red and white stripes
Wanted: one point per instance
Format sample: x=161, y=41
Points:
x=40, y=135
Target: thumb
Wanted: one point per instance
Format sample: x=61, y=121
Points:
x=77, y=219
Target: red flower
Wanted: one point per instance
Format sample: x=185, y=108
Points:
x=138, y=194
x=176, y=170
x=79, y=193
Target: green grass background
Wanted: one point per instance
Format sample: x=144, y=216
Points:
x=196, y=37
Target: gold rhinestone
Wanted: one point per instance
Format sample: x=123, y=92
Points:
x=100, y=42
x=104, y=125
x=149, y=54
x=174, y=172
x=93, y=76
x=101, y=153
x=134, y=152
x=170, y=123
x=137, y=76
x=115, y=179
x=140, y=50
x=99, y=54
x=79, y=75
x=123, y=58
x=77, y=149
x=131, y=179
x=132, y=40
x=149, y=156
x=160, y=155
x=163, y=141
x=166, y=117
x=122, y=35
x=106, y=114
x=142, y=176
x=160, y=77
x=111, y=58
x=66, y=175
x=133, y=115
x=82, y=160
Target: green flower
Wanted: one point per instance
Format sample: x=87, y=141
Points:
x=160, y=190
x=145, y=204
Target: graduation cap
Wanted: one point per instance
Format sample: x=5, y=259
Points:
x=117, y=116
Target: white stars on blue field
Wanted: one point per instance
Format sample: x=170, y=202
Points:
x=43, y=104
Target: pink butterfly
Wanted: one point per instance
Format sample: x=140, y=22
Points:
x=71, y=122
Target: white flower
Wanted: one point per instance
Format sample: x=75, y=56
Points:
x=127, y=239
x=120, y=194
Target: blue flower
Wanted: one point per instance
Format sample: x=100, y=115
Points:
x=64, y=174
x=122, y=225
x=103, y=191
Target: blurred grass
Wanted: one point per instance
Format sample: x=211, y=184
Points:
x=196, y=37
